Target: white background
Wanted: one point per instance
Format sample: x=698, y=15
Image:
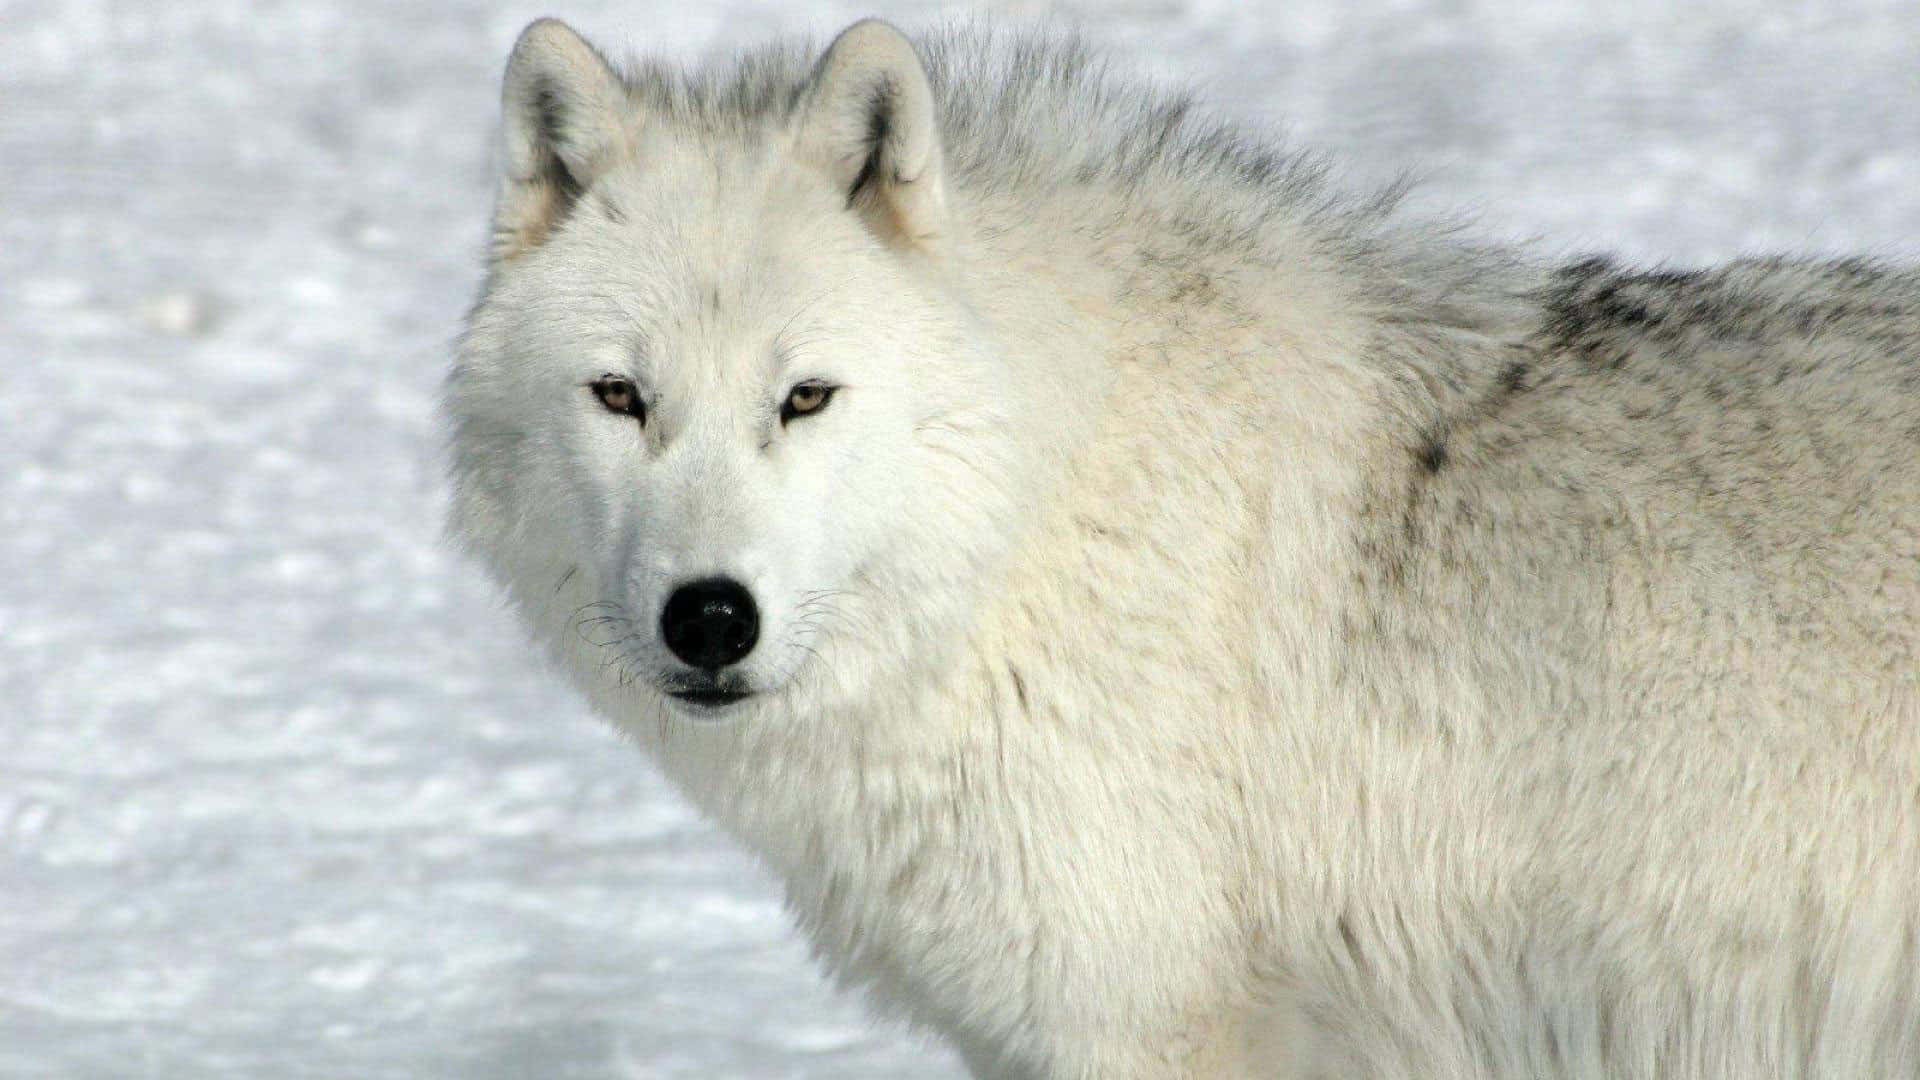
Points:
x=282, y=792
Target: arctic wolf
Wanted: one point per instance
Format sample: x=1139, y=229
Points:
x=1163, y=618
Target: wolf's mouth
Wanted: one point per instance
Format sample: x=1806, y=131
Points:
x=709, y=697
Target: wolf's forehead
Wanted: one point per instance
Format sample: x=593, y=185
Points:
x=729, y=208
x=719, y=294
x=688, y=174
x=718, y=250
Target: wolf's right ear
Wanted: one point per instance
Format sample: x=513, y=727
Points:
x=564, y=117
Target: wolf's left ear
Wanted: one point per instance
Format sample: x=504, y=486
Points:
x=867, y=116
x=564, y=113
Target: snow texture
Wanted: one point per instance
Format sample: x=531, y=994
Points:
x=282, y=791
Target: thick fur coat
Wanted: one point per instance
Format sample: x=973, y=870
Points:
x=1209, y=626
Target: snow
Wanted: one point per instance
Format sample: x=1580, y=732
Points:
x=282, y=791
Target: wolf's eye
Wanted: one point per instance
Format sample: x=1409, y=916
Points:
x=619, y=395
x=808, y=397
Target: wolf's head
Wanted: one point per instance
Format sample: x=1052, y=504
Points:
x=722, y=422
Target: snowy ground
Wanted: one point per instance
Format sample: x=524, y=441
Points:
x=281, y=792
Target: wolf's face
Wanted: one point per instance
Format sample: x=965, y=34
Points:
x=707, y=384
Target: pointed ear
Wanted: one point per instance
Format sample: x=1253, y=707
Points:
x=867, y=116
x=564, y=113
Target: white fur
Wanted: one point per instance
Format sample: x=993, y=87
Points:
x=1217, y=630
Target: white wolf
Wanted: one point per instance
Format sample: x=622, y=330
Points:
x=1163, y=619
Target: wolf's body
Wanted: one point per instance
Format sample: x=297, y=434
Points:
x=1217, y=630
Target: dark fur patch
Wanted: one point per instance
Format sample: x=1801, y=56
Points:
x=1352, y=943
x=1432, y=454
x=1513, y=378
x=1019, y=686
x=1593, y=295
x=550, y=110
x=880, y=104
x=550, y=113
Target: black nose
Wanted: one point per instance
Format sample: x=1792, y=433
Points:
x=710, y=623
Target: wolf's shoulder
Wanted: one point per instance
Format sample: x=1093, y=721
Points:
x=1757, y=318
x=1770, y=354
x=1769, y=395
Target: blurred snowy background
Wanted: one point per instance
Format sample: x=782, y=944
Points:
x=282, y=793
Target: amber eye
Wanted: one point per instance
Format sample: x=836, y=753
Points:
x=619, y=395
x=807, y=398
